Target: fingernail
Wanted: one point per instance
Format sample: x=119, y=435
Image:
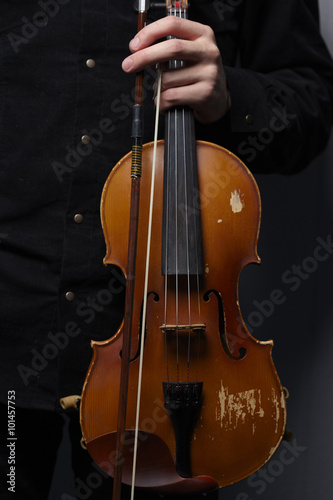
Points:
x=134, y=43
x=127, y=64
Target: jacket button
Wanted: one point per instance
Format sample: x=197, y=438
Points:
x=85, y=139
x=70, y=296
x=249, y=119
x=90, y=63
x=78, y=218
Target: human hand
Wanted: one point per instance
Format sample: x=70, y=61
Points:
x=200, y=82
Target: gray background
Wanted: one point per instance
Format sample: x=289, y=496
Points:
x=296, y=211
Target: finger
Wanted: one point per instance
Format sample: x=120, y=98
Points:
x=169, y=50
x=190, y=74
x=168, y=26
x=192, y=95
x=177, y=48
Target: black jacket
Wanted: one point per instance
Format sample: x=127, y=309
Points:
x=65, y=120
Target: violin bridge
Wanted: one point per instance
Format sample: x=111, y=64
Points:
x=196, y=328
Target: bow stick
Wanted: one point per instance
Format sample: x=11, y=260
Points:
x=131, y=261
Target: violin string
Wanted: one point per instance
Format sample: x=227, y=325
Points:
x=197, y=266
x=187, y=243
x=176, y=240
x=183, y=13
x=196, y=283
x=173, y=130
x=180, y=133
x=167, y=165
x=196, y=239
x=200, y=322
x=145, y=294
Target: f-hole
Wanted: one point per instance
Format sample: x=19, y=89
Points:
x=242, y=351
x=155, y=299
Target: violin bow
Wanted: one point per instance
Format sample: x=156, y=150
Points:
x=136, y=169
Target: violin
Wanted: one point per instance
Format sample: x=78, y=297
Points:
x=182, y=399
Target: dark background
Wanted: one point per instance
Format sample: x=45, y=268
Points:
x=296, y=211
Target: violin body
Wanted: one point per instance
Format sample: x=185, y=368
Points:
x=241, y=417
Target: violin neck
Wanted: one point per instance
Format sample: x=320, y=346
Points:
x=181, y=239
x=177, y=8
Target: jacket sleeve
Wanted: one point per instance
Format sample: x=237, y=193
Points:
x=281, y=89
